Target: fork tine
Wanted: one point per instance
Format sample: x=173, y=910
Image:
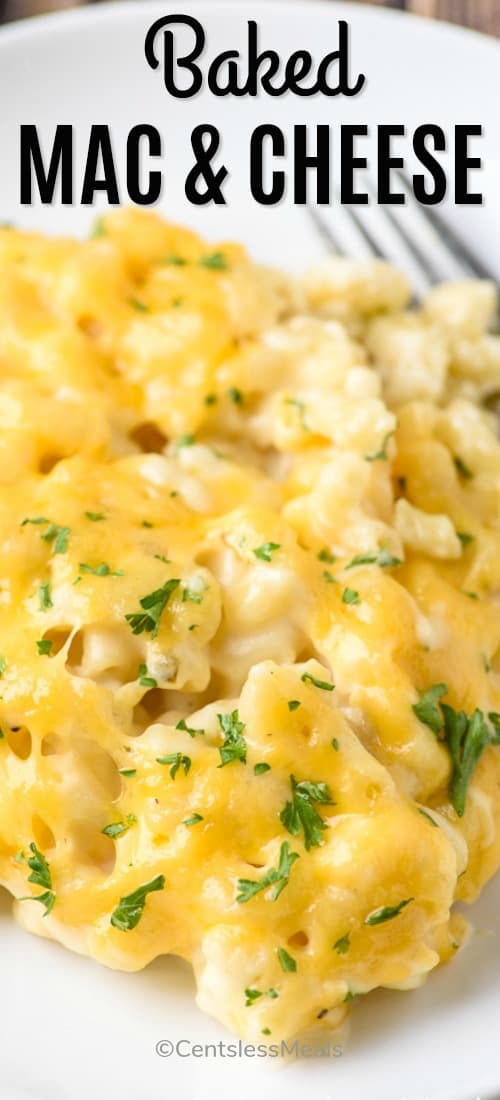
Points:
x=325, y=230
x=456, y=245
x=365, y=233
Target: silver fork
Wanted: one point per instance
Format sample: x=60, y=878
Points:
x=417, y=240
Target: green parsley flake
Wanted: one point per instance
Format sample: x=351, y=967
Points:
x=40, y=876
x=145, y=680
x=381, y=455
x=214, y=261
x=427, y=816
x=120, y=827
x=293, y=704
x=44, y=647
x=128, y=773
x=195, y=592
x=379, y=557
x=58, y=536
x=335, y=744
x=45, y=596
x=234, y=747
x=193, y=820
x=174, y=261
x=188, y=729
x=153, y=605
x=427, y=710
x=177, y=760
x=3, y=665
x=462, y=468
x=467, y=738
x=465, y=537
x=325, y=556
x=211, y=399
x=276, y=877
x=350, y=596
x=322, y=684
x=343, y=944
x=387, y=912
x=260, y=769
x=98, y=229
x=102, y=570
x=186, y=440
x=235, y=395
x=288, y=965
x=301, y=813
x=95, y=517
x=130, y=908
x=266, y=551
x=329, y=577
x=136, y=304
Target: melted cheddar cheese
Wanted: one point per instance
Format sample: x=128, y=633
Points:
x=249, y=624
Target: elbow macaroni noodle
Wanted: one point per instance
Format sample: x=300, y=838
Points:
x=224, y=492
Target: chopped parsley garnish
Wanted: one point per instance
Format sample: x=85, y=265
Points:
x=176, y=760
x=186, y=440
x=276, y=877
x=161, y=557
x=102, y=570
x=427, y=709
x=234, y=747
x=174, y=260
x=427, y=816
x=193, y=820
x=329, y=577
x=343, y=944
x=387, y=912
x=136, y=304
x=154, y=606
x=293, y=704
x=381, y=455
x=40, y=876
x=130, y=908
x=301, y=813
x=196, y=592
x=120, y=827
x=58, y=536
x=335, y=744
x=3, y=665
x=128, y=773
x=288, y=965
x=266, y=551
x=252, y=995
x=466, y=738
x=322, y=684
x=95, y=517
x=236, y=395
x=214, y=261
x=379, y=557
x=45, y=596
x=98, y=229
x=462, y=467
x=44, y=647
x=326, y=556
x=350, y=596
x=301, y=409
x=465, y=538
x=188, y=729
x=210, y=399
x=495, y=721
x=145, y=680
x=259, y=769
x=147, y=523
x=55, y=534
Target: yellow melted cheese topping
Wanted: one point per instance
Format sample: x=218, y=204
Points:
x=300, y=481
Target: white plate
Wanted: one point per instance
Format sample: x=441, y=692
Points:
x=69, y=1029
